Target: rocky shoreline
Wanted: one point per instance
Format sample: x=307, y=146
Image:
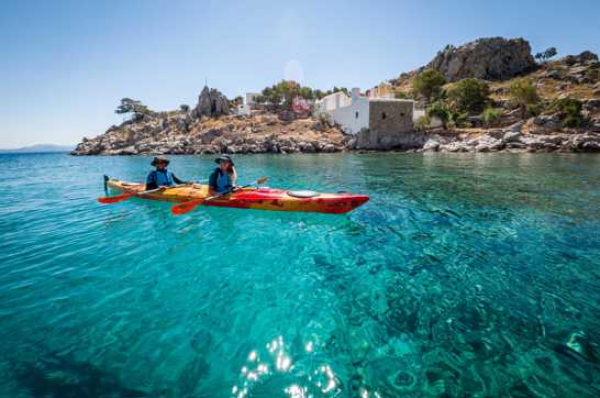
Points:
x=268, y=134
x=211, y=128
x=179, y=133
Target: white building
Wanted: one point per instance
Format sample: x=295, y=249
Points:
x=251, y=99
x=357, y=112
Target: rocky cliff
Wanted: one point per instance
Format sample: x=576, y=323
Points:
x=494, y=58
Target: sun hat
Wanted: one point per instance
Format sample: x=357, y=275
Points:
x=159, y=159
x=224, y=158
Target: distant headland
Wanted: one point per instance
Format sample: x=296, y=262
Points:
x=40, y=148
x=488, y=95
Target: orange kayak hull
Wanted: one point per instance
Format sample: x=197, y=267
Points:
x=252, y=198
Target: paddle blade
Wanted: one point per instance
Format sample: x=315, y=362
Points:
x=261, y=180
x=184, y=207
x=115, y=199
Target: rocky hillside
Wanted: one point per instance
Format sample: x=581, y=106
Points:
x=500, y=62
x=179, y=132
x=209, y=128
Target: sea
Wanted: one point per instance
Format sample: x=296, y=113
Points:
x=465, y=275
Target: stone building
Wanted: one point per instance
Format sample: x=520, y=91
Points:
x=377, y=123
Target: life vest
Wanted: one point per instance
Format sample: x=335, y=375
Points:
x=163, y=178
x=220, y=181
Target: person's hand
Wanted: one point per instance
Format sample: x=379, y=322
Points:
x=189, y=183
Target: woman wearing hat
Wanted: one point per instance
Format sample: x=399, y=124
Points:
x=161, y=177
x=224, y=177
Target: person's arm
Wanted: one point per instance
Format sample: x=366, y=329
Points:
x=212, y=184
x=151, y=181
x=233, y=177
x=177, y=180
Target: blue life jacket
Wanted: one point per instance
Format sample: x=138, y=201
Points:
x=220, y=181
x=162, y=178
x=224, y=182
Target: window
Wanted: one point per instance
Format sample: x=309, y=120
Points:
x=383, y=115
x=356, y=115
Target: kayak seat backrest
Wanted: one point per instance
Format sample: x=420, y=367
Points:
x=303, y=194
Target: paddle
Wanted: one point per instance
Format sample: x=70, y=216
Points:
x=190, y=205
x=119, y=198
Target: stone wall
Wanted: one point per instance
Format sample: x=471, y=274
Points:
x=390, y=126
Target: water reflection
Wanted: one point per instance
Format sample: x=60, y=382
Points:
x=273, y=366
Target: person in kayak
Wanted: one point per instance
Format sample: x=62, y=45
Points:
x=161, y=177
x=224, y=177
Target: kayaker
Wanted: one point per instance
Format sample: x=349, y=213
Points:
x=161, y=177
x=224, y=177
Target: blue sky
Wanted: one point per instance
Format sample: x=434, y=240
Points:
x=64, y=65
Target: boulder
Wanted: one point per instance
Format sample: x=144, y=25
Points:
x=583, y=58
x=512, y=136
x=489, y=58
x=431, y=145
x=211, y=102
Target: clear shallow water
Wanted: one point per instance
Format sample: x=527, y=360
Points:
x=464, y=276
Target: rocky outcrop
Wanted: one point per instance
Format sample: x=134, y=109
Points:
x=490, y=59
x=521, y=137
x=211, y=102
x=178, y=132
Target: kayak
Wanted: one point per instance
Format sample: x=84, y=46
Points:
x=252, y=198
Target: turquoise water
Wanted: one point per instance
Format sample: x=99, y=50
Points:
x=464, y=276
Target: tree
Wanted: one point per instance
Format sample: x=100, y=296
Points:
x=306, y=93
x=135, y=107
x=523, y=94
x=338, y=89
x=428, y=84
x=282, y=94
x=469, y=95
x=439, y=110
x=184, y=108
x=544, y=56
x=318, y=94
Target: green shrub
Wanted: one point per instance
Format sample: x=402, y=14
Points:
x=469, y=95
x=491, y=116
x=593, y=73
x=439, y=110
x=428, y=84
x=534, y=110
x=569, y=111
x=402, y=95
x=422, y=123
x=523, y=94
x=460, y=119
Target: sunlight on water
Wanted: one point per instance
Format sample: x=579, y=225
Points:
x=463, y=276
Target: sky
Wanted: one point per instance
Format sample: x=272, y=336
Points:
x=65, y=65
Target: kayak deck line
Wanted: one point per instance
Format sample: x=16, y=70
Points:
x=251, y=198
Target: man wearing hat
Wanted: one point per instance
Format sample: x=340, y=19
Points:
x=224, y=177
x=161, y=177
